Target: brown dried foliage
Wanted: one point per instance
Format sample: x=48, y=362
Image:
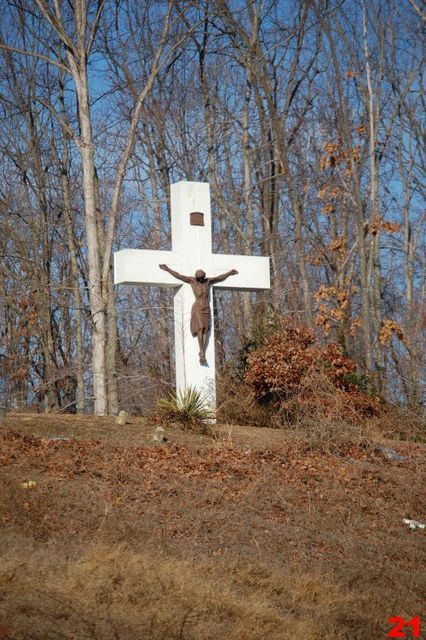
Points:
x=178, y=542
x=381, y=225
x=285, y=364
x=389, y=328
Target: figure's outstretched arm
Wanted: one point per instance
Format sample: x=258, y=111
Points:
x=223, y=277
x=177, y=275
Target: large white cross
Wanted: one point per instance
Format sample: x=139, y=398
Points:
x=191, y=250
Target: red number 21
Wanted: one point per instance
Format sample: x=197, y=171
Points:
x=397, y=631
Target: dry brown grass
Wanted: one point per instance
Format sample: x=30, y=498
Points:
x=105, y=592
x=396, y=423
x=233, y=539
x=237, y=404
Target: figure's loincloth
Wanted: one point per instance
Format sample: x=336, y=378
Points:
x=200, y=318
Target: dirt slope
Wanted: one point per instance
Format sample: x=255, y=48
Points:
x=251, y=533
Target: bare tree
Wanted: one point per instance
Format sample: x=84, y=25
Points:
x=76, y=28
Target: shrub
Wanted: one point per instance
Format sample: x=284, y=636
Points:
x=263, y=326
x=277, y=366
x=187, y=407
x=237, y=403
x=278, y=369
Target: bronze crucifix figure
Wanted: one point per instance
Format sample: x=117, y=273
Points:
x=200, y=312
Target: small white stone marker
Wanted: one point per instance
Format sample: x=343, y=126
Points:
x=158, y=435
x=122, y=418
x=191, y=250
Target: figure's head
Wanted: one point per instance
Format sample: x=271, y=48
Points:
x=200, y=274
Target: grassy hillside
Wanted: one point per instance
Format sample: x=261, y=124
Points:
x=244, y=534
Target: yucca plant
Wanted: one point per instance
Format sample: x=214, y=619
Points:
x=189, y=407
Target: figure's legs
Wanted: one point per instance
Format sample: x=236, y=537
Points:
x=202, y=340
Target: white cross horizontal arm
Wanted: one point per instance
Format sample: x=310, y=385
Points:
x=253, y=272
x=141, y=266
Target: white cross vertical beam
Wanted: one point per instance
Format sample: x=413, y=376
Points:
x=195, y=243
x=191, y=250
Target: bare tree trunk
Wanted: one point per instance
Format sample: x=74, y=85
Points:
x=111, y=349
x=248, y=200
x=356, y=194
x=78, y=302
x=373, y=269
x=43, y=280
x=97, y=307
